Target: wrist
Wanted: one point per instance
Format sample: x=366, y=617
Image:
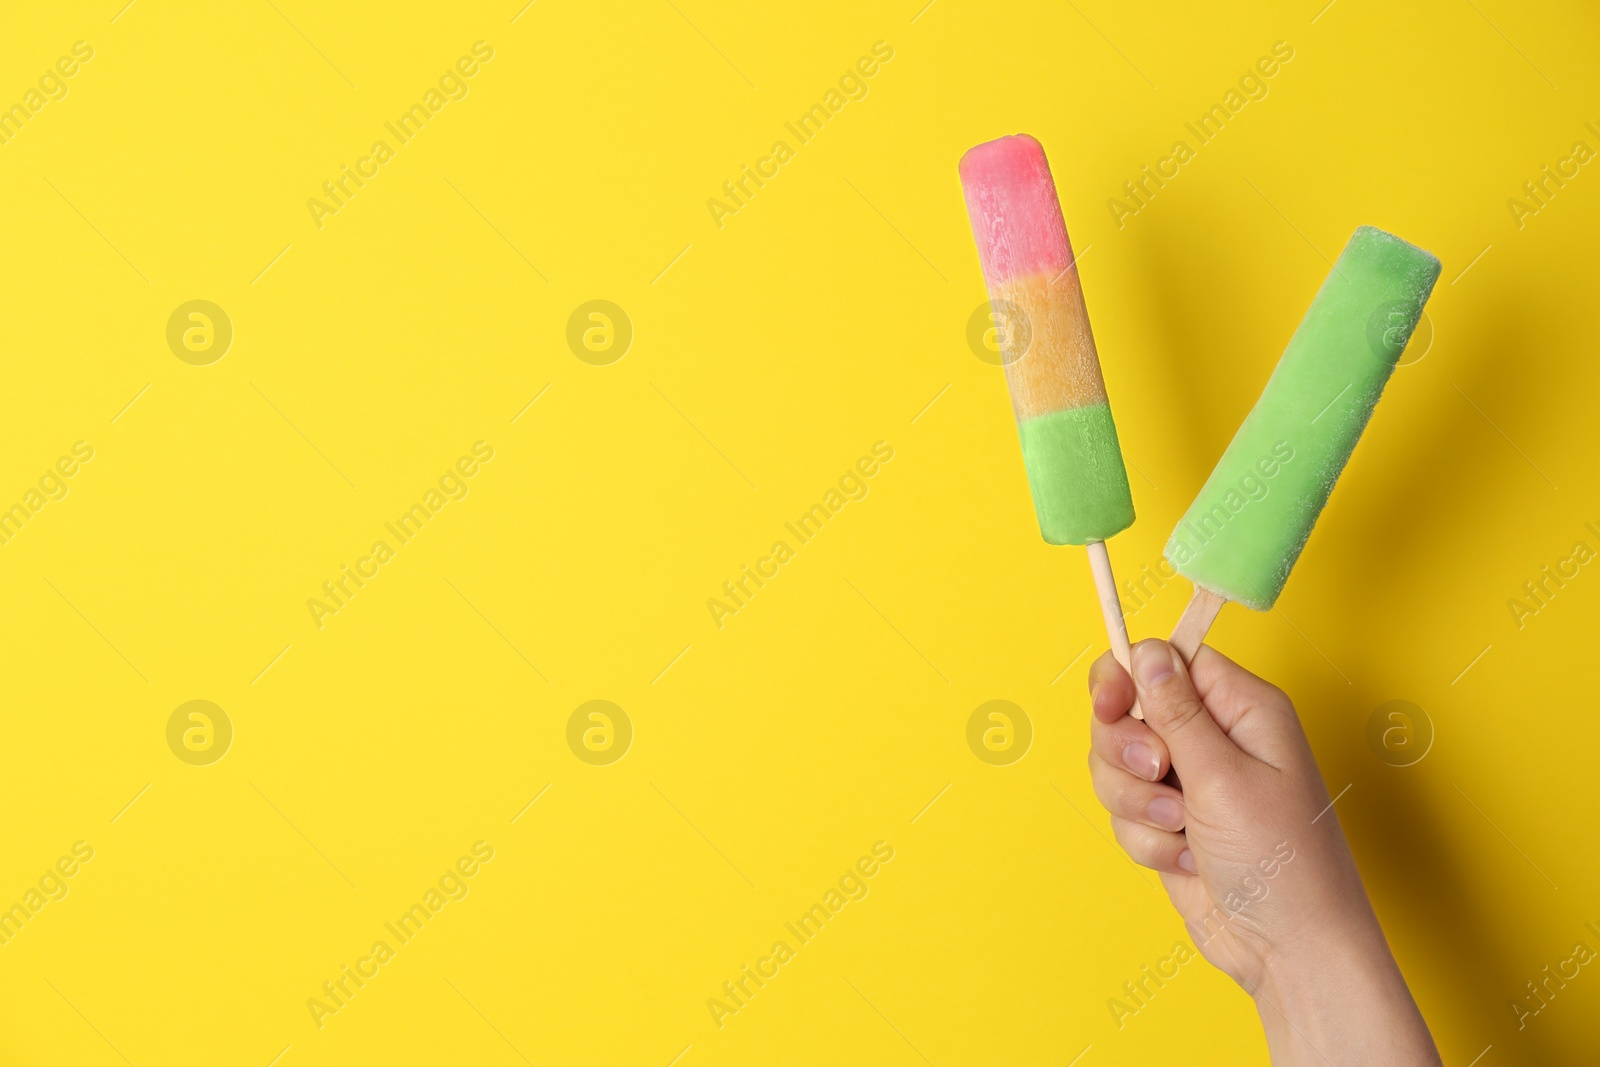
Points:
x=1340, y=999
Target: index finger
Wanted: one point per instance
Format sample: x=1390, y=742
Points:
x=1117, y=737
x=1110, y=689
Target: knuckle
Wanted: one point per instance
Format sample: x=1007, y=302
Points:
x=1141, y=845
x=1183, y=711
x=1097, y=729
x=1098, y=779
x=1108, y=745
x=1115, y=796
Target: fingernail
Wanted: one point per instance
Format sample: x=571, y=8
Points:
x=1094, y=697
x=1186, y=861
x=1152, y=663
x=1138, y=758
x=1167, y=813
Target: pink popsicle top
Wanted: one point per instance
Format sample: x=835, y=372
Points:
x=1016, y=217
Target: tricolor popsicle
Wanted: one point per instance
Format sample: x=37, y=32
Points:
x=1069, y=443
x=1243, y=533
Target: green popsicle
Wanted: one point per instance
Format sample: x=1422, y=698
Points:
x=1243, y=533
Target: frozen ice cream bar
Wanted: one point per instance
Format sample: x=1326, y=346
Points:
x=1243, y=533
x=1069, y=442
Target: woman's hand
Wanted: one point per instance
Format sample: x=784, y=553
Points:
x=1218, y=791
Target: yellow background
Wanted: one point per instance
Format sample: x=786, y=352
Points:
x=768, y=354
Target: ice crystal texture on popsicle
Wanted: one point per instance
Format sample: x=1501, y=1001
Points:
x=1069, y=442
x=1243, y=533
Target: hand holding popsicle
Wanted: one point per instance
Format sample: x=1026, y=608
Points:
x=1251, y=854
x=1217, y=790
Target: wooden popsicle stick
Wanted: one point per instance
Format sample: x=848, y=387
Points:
x=1190, y=633
x=1105, y=584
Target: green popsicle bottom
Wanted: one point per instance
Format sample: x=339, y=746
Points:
x=1080, y=487
x=1243, y=533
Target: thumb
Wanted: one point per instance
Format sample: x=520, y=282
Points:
x=1176, y=713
